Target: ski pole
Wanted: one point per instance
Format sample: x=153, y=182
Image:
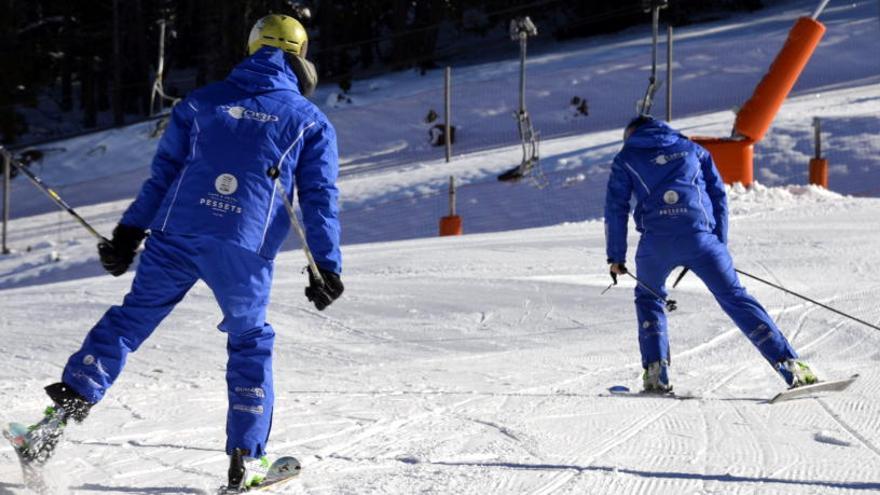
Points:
x=274, y=173
x=48, y=191
x=671, y=305
x=805, y=298
x=684, y=271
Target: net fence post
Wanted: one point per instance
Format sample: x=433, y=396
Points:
x=7, y=179
x=447, y=127
x=669, y=73
x=451, y=196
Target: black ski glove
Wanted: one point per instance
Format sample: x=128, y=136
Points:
x=324, y=295
x=118, y=254
x=621, y=267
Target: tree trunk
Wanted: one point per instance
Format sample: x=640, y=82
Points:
x=87, y=92
x=402, y=43
x=118, y=111
x=67, y=70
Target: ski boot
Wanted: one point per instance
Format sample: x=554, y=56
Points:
x=655, y=379
x=36, y=443
x=75, y=406
x=245, y=472
x=796, y=373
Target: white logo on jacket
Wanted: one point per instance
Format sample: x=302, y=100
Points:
x=670, y=197
x=226, y=184
x=239, y=113
x=664, y=159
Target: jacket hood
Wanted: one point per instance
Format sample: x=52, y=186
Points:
x=265, y=70
x=654, y=134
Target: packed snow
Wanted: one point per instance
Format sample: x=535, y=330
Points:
x=480, y=364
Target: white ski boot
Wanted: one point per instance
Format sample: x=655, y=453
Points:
x=796, y=373
x=245, y=472
x=655, y=379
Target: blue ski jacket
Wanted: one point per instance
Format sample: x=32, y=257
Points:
x=677, y=189
x=210, y=176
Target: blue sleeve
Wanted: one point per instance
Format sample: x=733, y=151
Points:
x=316, y=174
x=167, y=164
x=617, y=208
x=716, y=192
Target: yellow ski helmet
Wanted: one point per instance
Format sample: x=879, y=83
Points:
x=280, y=31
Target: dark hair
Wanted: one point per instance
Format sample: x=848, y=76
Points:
x=639, y=121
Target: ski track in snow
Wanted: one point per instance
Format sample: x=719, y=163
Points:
x=479, y=365
x=473, y=366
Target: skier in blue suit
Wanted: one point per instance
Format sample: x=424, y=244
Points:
x=212, y=210
x=681, y=213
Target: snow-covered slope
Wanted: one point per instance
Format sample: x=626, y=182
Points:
x=479, y=364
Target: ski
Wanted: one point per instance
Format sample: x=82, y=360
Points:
x=283, y=470
x=810, y=390
x=624, y=391
x=31, y=470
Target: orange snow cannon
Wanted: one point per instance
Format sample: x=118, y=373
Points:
x=734, y=156
x=754, y=119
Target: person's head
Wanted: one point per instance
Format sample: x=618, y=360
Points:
x=287, y=34
x=280, y=31
x=634, y=125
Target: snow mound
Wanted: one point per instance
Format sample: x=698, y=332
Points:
x=744, y=200
x=781, y=195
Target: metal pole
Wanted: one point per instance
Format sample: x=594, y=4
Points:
x=648, y=102
x=820, y=9
x=448, y=103
x=669, y=73
x=655, y=32
x=523, y=40
x=451, y=196
x=817, y=125
x=160, y=74
x=7, y=179
x=157, y=84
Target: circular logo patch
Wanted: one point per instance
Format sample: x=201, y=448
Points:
x=89, y=360
x=670, y=197
x=226, y=184
x=235, y=112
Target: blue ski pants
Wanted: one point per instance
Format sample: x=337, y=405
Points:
x=709, y=259
x=169, y=266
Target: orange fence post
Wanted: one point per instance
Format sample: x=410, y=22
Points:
x=819, y=172
x=451, y=224
x=818, y=165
